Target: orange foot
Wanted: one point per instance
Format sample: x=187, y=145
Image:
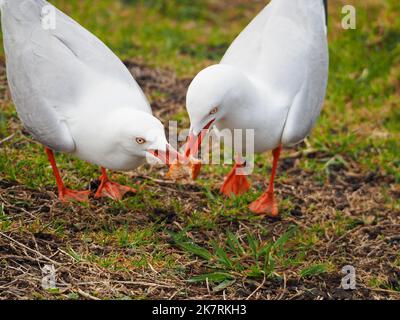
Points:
x=235, y=184
x=67, y=195
x=265, y=205
x=113, y=190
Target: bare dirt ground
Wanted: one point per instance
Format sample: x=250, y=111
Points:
x=371, y=245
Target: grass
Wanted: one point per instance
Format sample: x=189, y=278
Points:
x=236, y=258
x=339, y=193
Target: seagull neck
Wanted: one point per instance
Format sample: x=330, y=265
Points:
x=243, y=100
x=102, y=125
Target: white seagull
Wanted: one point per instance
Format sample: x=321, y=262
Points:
x=75, y=96
x=273, y=80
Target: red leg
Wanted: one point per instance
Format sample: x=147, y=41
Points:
x=267, y=204
x=235, y=184
x=111, y=189
x=65, y=194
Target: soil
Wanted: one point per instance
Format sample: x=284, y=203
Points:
x=371, y=245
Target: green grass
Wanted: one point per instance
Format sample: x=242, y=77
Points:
x=173, y=33
x=363, y=76
x=237, y=258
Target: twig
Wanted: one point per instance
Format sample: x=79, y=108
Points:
x=140, y=283
x=299, y=154
x=174, y=294
x=72, y=257
x=382, y=290
x=26, y=258
x=152, y=268
x=258, y=288
x=159, y=181
x=208, y=286
x=29, y=249
x=87, y=295
x=7, y=139
x=167, y=183
x=21, y=209
x=284, y=287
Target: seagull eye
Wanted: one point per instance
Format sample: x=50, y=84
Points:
x=140, y=140
x=214, y=111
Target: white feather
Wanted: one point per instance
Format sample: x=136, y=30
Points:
x=272, y=79
x=71, y=92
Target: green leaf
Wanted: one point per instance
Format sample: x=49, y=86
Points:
x=222, y=256
x=283, y=239
x=269, y=261
x=235, y=245
x=74, y=255
x=313, y=270
x=223, y=285
x=253, y=243
x=188, y=245
x=73, y=296
x=255, y=272
x=3, y=216
x=53, y=290
x=212, y=277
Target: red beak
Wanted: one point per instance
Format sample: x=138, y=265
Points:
x=168, y=157
x=193, y=146
x=194, y=142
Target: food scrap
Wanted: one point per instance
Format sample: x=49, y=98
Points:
x=186, y=169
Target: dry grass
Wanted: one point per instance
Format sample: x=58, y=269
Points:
x=346, y=220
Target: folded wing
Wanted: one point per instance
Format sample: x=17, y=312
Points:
x=284, y=49
x=49, y=69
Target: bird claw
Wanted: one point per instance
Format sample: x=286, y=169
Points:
x=113, y=190
x=235, y=184
x=265, y=205
x=67, y=195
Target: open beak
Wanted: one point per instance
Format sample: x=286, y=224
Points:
x=194, y=141
x=191, y=150
x=169, y=156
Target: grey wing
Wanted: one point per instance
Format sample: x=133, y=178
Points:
x=39, y=71
x=272, y=44
x=94, y=54
x=285, y=49
x=308, y=103
x=244, y=51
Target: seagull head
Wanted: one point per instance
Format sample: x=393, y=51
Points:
x=213, y=96
x=141, y=135
x=207, y=102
